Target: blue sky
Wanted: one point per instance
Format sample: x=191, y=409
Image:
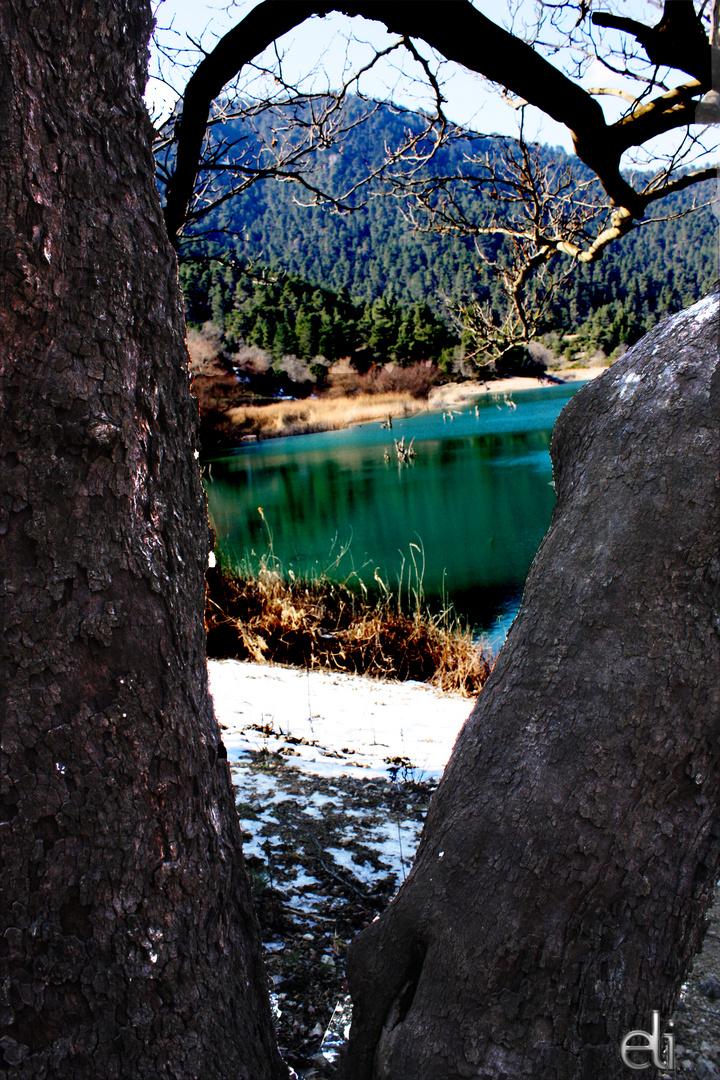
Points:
x=320, y=47
x=471, y=101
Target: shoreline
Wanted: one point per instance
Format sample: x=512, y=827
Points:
x=440, y=397
x=309, y=416
x=474, y=389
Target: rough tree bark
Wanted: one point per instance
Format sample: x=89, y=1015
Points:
x=128, y=947
x=571, y=850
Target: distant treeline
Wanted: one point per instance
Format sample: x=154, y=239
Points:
x=287, y=316
x=379, y=284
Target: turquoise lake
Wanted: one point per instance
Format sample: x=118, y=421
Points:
x=470, y=510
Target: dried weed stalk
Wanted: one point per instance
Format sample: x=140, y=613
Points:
x=318, y=623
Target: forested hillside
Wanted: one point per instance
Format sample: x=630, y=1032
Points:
x=332, y=282
x=283, y=314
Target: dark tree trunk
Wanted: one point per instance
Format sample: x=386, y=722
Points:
x=571, y=850
x=128, y=946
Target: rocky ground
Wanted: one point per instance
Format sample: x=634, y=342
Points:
x=697, y=1018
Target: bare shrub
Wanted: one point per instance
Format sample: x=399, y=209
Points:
x=343, y=380
x=214, y=383
x=204, y=346
x=416, y=380
x=295, y=369
x=319, y=623
x=541, y=353
x=252, y=360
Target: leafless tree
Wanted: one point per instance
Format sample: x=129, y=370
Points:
x=521, y=212
x=544, y=220
x=264, y=123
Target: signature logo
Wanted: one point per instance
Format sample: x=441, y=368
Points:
x=649, y=1049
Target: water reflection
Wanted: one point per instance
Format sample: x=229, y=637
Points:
x=476, y=500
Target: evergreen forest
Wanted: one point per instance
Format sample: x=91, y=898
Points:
x=319, y=283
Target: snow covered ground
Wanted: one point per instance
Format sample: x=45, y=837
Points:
x=333, y=774
x=331, y=724
x=325, y=728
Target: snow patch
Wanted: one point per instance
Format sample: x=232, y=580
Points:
x=704, y=309
x=365, y=872
x=334, y=724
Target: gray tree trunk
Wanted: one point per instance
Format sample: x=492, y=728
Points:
x=572, y=847
x=128, y=946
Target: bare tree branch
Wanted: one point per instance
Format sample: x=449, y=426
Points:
x=540, y=212
x=611, y=91
x=461, y=33
x=249, y=38
x=678, y=41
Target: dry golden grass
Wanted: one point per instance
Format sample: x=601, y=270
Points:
x=321, y=624
x=318, y=414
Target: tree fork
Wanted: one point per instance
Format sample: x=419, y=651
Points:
x=678, y=41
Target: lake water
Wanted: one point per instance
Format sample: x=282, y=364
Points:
x=470, y=510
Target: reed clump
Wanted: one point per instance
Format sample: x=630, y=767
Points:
x=269, y=616
x=318, y=414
